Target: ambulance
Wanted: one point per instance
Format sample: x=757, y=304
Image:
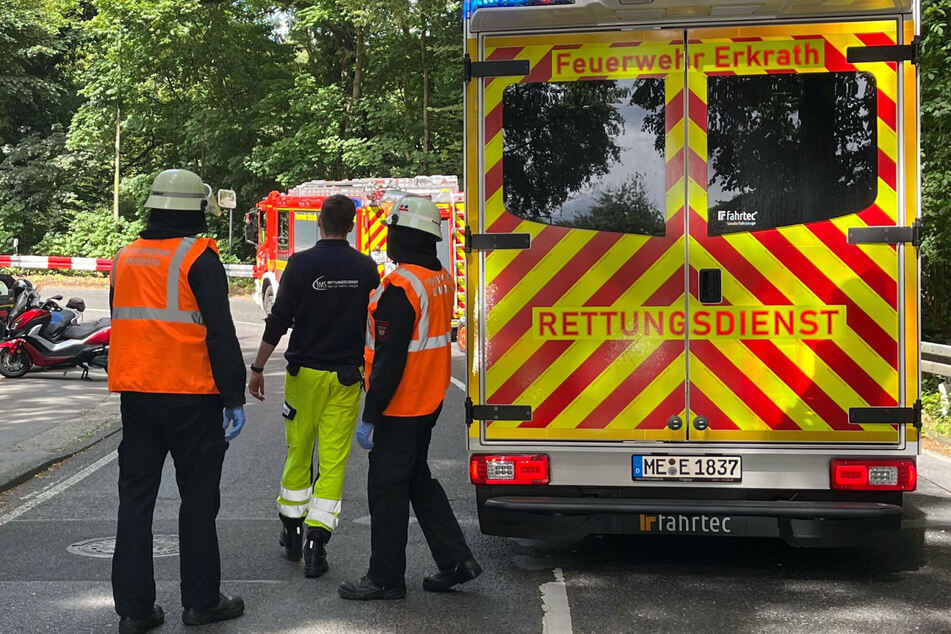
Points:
x=287, y=222
x=693, y=278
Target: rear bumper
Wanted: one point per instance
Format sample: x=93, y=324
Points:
x=803, y=523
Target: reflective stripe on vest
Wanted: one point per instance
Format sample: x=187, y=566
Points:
x=170, y=313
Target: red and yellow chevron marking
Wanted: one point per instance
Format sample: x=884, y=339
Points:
x=375, y=234
x=602, y=390
x=759, y=389
x=459, y=254
x=798, y=390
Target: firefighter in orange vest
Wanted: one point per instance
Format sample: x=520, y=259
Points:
x=175, y=359
x=407, y=373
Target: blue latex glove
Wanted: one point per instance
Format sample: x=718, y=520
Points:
x=364, y=429
x=234, y=418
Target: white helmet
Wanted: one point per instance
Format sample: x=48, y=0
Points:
x=413, y=212
x=178, y=190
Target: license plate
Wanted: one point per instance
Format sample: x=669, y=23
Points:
x=688, y=468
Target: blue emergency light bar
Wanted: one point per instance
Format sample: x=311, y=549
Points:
x=472, y=5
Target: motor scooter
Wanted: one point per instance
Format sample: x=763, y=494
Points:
x=46, y=336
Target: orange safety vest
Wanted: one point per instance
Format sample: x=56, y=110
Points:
x=157, y=344
x=428, y=360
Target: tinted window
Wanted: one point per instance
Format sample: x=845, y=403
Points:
x=586, y=154
x=283, y=229
x=790, y=149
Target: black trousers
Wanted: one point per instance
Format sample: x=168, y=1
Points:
x=190, y=427
x=399, y=475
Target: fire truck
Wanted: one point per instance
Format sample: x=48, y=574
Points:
x=693, y=267
x=287, y=222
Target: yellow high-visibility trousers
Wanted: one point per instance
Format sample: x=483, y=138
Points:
x=318, y=410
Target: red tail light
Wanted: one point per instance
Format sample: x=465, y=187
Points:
x=484, y=469
x=101, y=338
x=873, y=475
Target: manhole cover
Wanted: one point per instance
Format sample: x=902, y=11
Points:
x=104, y=547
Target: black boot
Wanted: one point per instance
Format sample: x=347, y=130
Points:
x=366, y=590
x=292, y=537
x=228, y=607
x=315, y=555
x=128, y=625
x=444, y=580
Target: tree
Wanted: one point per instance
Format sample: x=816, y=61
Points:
x=626, y=208
x=558, y=138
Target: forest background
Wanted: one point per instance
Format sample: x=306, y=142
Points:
x=258, y=95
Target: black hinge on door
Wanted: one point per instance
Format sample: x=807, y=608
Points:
x=496, y=241
x=886, y=235
x=890, y=53
x=496, y=412
x=494, y=68
x=886, y=415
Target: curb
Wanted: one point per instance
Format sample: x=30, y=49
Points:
x=940, y=438
x=47, y=463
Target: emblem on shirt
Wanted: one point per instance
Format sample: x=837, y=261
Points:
x=382, y=330
x=320, y=284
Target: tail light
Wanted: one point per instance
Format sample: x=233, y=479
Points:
x=484, y=469
x=101, y=338
x=873, y=475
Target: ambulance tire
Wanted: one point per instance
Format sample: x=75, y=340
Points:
x=267, y=301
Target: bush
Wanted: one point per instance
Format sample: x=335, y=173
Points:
x=934, y=420
x=93, y=234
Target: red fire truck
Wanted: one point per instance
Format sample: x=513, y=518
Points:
x=287, y=222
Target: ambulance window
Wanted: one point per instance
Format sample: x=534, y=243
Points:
x=586, y=154
x=283, y=229
x=790, y=149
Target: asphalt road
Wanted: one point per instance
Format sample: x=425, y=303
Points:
x=610, y=584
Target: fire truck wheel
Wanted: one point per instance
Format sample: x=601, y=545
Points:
x=268, y=301
x=15, y=365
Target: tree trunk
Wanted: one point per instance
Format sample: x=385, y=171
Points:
x=422, y=43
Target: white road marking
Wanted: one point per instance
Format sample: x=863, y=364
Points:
x=459, y=384
x=56, y=489
x=557, y=617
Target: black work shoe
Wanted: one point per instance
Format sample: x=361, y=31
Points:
x=128, y=625
x=444, y=580
x=366, y=590
x=228, y=607
x=315, y=554
x=292, y=537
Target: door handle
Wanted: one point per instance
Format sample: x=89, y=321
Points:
x=710, y=288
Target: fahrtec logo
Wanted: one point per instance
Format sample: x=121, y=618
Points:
x=701, y=524
x=741, y=218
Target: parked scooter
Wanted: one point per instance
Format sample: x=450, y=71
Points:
x=47, y=336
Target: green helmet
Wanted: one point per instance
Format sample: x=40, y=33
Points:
x=417, y=213
x=178, y=190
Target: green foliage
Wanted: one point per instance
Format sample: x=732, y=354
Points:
x=936, y=169
x=91, y=234
x=934, y=419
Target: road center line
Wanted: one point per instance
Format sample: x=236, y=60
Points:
x=459, y=384
x=56, y=489
x=557, y=612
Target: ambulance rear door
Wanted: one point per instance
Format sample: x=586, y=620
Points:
x=585, y=154
x=790, y=146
